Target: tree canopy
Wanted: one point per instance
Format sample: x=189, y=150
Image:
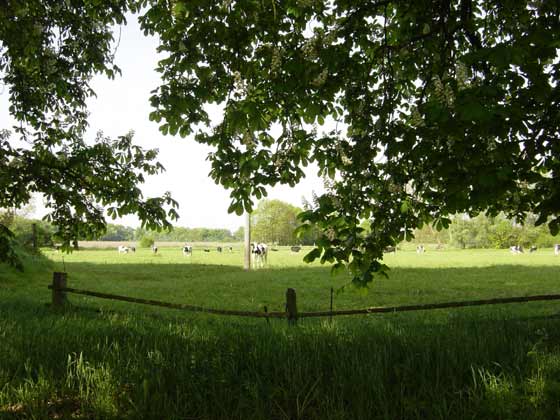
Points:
x=49, y=51
x=440, y=107
x=275, y=222
x=433, y=107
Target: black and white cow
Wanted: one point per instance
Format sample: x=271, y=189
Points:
x=533, y=249
x=154, y=249
x=389, y=249
x=516, y=249
x=230, y=248
x=219, y=249
x=420, y=249
x=295, y=248
x=556, y=249
x=123, y=249
x=259, y=253
x=187, y=250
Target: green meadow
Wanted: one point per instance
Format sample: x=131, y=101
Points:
x=101, y=359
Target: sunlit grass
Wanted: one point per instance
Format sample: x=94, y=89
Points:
x=105, y=360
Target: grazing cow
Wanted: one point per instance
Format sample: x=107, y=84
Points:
x=392, y=249
x=420, y=249
x=556, y=249
x=154, y=249
x=230, y=248
x=206, y=249
x=516, y=249
x=295, y=248
x=259, y=252
x=123, y=249
x=187, y=250
x=533, y=249
x=219, y=249
x=274, y=249
x=133, y=248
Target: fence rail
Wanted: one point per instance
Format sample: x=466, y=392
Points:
x=59, y=290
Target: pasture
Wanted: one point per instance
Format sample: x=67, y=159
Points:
x=114, y=360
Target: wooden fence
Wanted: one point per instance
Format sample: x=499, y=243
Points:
x=59, y=291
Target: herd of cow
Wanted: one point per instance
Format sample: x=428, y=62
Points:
x=259, y=251
x=518, y=249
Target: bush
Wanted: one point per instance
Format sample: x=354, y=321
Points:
x=146, y=242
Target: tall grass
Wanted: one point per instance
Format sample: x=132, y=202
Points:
x=98, y=360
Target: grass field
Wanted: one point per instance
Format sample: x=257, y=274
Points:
x=114, y=360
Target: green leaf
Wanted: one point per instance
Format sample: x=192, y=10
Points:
x=312, y=255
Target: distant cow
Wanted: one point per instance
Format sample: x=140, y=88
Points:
x=533, y=249
x=219, y=249
x=230, y=248
x=259, y=252
x=556, y=249
x=295, y=248
x=187, y=250
x=206, y=249
x=420, y=249
x=154, y=249
x=516, y=249
x=123, y=249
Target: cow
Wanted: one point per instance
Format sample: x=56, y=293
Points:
x=295, y=248
x=123, y=249
x=133, y=248
x=389, y=249
x=556, y=249
x=532, y=249
x=516, y=249
x=206, y=249
x=219, y=249
x=230, y=248
x=154, y=249
x=420, y=249
x=259, y=252
x=187, y=250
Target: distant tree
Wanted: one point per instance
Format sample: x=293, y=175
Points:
x=275, y=221
x=117, y=233
x=23, y=231
x=146, y=242
x=239, y=234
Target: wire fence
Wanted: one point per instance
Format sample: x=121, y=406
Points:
x=59, y=290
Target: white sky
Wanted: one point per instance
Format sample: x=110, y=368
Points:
x=122, y=105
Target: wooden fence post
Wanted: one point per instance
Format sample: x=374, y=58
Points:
x=58, y=296
x=34, y=236
x=291, y=306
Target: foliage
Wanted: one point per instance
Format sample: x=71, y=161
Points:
x=23, y=232
x=49, y=52
x=441, y=107
x=182, y=234
x=274, y=222
x=117, y=233
x=146, y=242
x=488, y=232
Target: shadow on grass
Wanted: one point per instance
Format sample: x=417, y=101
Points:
x=111, y=364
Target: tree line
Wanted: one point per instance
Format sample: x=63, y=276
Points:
x=276, y=222
x=485, y=231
